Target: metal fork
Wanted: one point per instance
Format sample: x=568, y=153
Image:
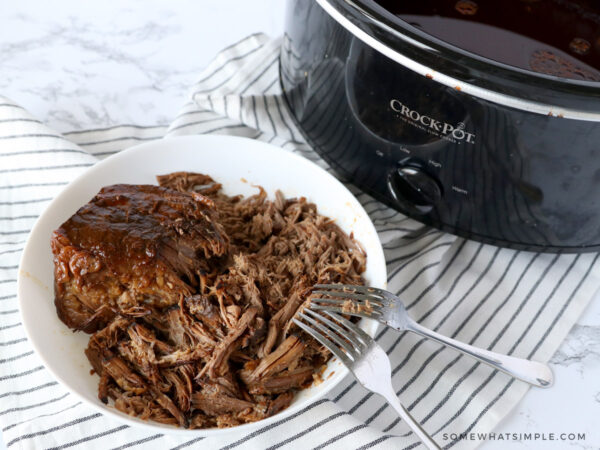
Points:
x=367, y=361
x=388, y=309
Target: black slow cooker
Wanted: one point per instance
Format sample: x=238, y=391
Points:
x=476, y=147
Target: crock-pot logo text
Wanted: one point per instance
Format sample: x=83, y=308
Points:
x=445, y=130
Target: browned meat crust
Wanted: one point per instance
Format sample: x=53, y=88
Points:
x=132, y=246
x=189, y=295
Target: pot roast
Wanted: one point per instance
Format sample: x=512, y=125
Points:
x=188, y=295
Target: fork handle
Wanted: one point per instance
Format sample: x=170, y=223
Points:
x=394, y=402
x=532, y=372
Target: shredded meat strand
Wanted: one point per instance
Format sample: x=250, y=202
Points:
x=195, y=329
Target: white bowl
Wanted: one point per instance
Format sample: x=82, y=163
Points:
x=237, y=163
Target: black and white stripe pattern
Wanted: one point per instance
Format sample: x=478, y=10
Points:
x=514, y=302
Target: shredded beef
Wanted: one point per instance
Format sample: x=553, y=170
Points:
x=188, y=295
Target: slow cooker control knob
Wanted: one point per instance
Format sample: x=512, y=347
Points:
x=414, y=190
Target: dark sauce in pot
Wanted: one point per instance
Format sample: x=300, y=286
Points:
x=554, y=37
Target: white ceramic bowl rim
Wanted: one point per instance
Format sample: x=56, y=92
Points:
x=237, y=163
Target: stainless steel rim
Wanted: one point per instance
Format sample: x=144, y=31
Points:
x=476, y=91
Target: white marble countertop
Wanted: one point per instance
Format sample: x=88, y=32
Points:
x=78, y=65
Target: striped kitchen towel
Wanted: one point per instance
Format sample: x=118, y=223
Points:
x=514, y=302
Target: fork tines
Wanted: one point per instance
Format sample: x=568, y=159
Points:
x=340, y=336
x=349, y=299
